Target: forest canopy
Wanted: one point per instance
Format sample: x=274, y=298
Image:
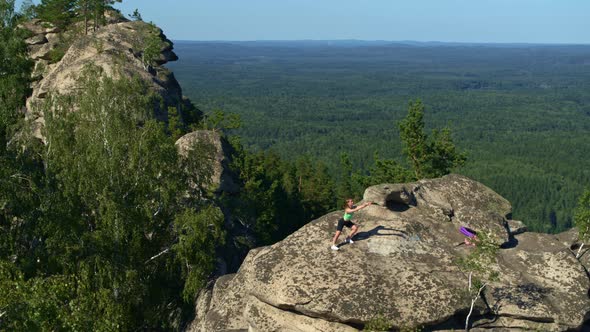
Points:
x=520, y=112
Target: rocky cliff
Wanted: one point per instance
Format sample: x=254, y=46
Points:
x=403, y=269
x=118, y=48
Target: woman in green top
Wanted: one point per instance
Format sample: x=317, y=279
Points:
x=349, y=210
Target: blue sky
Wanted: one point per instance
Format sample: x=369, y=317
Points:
x=498, y=21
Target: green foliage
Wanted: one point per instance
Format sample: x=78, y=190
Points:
x=7, y=17
x=136, y=15
x=34, y=304
x=414, y=139
x=350, y=183
x=58, y=12
x=277, y=196
x=482, y=257
x=199, y=235
x=56, y=54
x=257, y=207
x=430, y=157
x=378, y=323
x=175, y=125
x=151, y=46
x=191, y=116
x=315, y=187
x=106, y=233
x=387, y=171
x=218, y=120
x=19, y=191
x=479, y=265
x=582, y=216
x=19, y=179
x=63, y=13
x=15, y=71
x=443, y=155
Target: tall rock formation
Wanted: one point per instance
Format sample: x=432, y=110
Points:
x=118, y=48
x=402, y=268
x=222, y=179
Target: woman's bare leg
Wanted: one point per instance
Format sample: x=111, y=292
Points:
x=353, y=230
x=336, y=236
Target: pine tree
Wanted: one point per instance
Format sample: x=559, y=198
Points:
x=349, y=185
x=582, y=220
x=84, y=9
x=136, y=15
x=432, y=156
x=58, y=12
x=315, y=187
x=414, y=139
x=386, y=171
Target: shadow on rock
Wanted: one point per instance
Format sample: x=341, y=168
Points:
x=511, y=243
x=381, y=231
x=397, y=206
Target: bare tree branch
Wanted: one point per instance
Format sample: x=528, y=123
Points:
x=158, y=255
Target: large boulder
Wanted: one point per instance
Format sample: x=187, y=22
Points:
x=38, y=27
x=221, y=177
x=36, y=40
x=402, y=268
x=571, y=240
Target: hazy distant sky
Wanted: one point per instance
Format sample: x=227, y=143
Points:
x=514, y=21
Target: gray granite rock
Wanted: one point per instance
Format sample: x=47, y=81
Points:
x=402, y=266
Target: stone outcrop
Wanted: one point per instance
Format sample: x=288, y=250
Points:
x=115, y=48
x=402, y=268
x=571, y=240
x=221, y=179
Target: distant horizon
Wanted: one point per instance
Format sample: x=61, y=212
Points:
x=450, y=21
x=375, y=41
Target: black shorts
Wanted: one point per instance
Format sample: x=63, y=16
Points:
x=342, y=223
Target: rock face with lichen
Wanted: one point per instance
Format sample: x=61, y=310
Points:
x=222, y=179
x=118, y=48
x=402, y=268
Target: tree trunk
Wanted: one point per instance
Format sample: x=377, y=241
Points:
x=86, y=17
x=472, y=301
x=580, y=250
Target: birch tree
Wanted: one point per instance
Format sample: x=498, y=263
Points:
x=582, y=221
x=479, y=269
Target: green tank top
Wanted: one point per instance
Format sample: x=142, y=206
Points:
x=347, y=216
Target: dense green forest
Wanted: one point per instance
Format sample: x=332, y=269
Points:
x=99, y=229
x=521, y=112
